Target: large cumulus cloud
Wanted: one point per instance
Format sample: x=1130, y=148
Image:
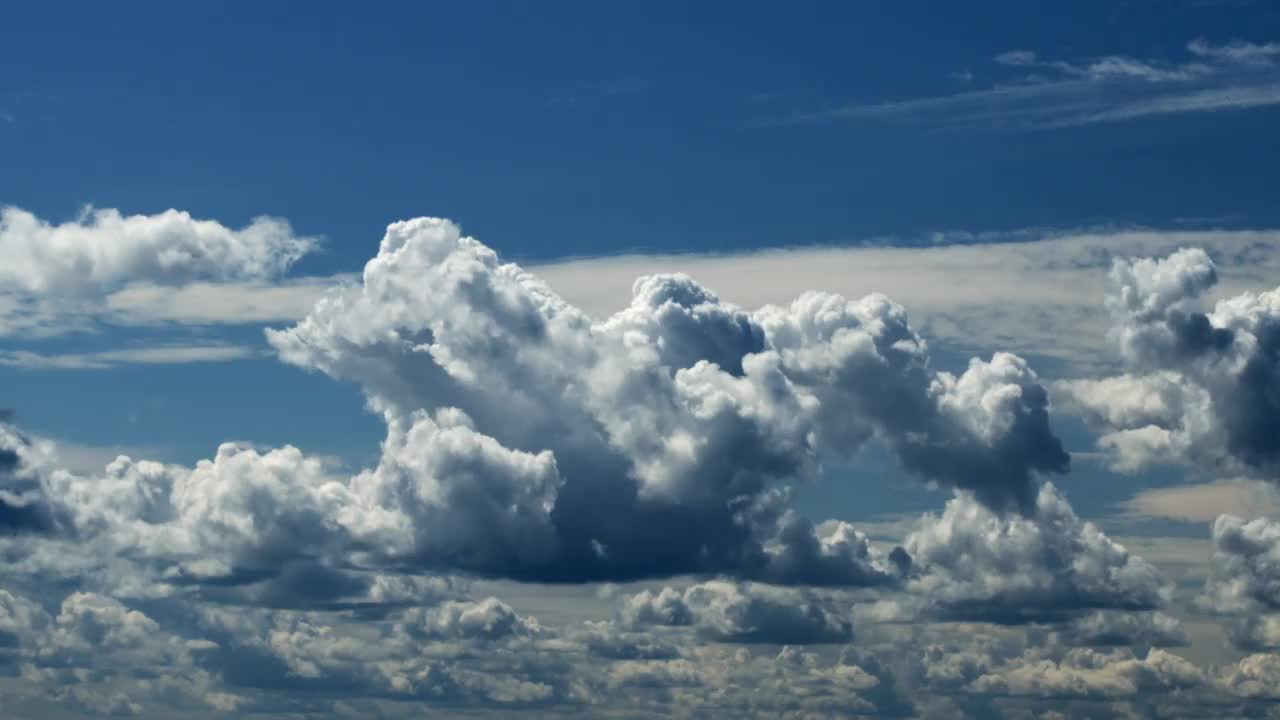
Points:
x=662, y=440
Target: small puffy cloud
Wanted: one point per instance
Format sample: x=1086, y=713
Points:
x=972, y=563
x=740, y=613
x=483, y=620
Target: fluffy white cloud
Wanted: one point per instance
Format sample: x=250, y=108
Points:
x=104, y=267
x=670, y=425
x=103, y=250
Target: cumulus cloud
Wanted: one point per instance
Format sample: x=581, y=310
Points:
x=1201, y=387
x=971, y=563
x=1244, y=580
x=742, y=613
x=660, y=440
x=107, y=268
x=103, y=250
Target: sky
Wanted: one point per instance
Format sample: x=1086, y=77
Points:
x=680, y=359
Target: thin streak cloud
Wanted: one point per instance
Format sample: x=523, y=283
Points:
x=1032, y=92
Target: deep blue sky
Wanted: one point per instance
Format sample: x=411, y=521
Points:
x=554, y=129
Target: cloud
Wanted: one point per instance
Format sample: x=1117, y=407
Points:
x=1244, y=580
x=973, y=564
x=1087, y=673
x=60, y=277
x=680, y=411
x=1201, y=387
x=739, y=613
x=485, y=620
x=103, y=250
x=84, y=654
x=530, y=440
x=1035, y=92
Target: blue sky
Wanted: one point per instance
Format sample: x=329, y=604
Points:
x=578, y=129
x=192, y=191
x=585, y=129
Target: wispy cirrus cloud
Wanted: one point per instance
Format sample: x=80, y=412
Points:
x=1030, y=91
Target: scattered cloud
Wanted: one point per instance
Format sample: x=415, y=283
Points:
x=656, y=444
